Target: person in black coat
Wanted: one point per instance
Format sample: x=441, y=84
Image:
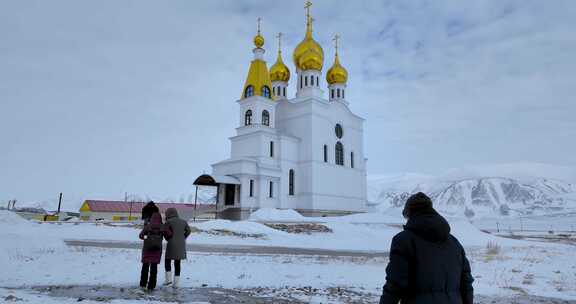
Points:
x=148, y=210
x=427, y=264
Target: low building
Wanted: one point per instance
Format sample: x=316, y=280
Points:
x=93, y=210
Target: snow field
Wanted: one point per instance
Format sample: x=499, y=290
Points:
x=34, y=254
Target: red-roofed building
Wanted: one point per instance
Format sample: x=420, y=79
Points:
x=92, y=210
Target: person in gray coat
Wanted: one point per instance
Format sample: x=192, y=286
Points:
x=176, y=247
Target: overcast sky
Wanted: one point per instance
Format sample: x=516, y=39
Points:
x=102, y=97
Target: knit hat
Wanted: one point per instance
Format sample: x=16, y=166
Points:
x=171, y=212
x=417, y=202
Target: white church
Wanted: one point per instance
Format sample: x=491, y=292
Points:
x=302, y=152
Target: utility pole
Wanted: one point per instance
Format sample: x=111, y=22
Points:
x=59, y=203
x=130, y=211
x=195, y=201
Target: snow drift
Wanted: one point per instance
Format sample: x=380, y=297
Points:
x=276, y=215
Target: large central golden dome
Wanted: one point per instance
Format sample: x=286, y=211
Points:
x=308, y=55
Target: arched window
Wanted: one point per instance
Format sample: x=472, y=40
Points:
x=284, y=91
x=325, y=153
x=291, y=182
x=317, y=82
x=271, y=189
x=351, y=159
x=265, y=118
x=312, y=80
x=249, y=91
x=332, y=93
x=305, y=81
x=339, y=154
x=266, y=91
x=300, y=81
x=248, y=118
x=338, y=93
x=342, y=93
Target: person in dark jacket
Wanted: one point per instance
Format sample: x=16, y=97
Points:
x=427, y=264
x=153, y=233
x=148, y=210
x=176, y=247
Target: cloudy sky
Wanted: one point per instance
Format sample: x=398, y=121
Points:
x=102, y=97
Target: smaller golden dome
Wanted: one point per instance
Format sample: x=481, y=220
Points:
x=258, y=40
x=337, y=73
x=279, y=71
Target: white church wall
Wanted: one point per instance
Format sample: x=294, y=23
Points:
x=233, y=167
x=338, y=187
x=326, y=186
x=295, y=118
x=265, y=200
x=320, y=185
x=247, y=201
x=257, y=105
x=288, y=160
x=244, y=146
x=256, y=145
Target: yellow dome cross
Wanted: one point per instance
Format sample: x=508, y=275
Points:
x=258, y=39
x=337, y=73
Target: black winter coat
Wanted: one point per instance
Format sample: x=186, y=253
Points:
x=427, y=264
x=148, y=210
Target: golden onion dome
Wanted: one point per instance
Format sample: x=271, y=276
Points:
x=337, y=73
x=258, y=40
x=279, y=71
x=308, y=55
x=258, y=80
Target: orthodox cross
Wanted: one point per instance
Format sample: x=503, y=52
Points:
x=279, y=36
x=335, y=39
x=307, y=7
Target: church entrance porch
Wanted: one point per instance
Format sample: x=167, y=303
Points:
x=227, y=190
x=229, y=194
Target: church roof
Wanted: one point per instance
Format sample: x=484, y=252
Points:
x=258, y=80
x=213, y=180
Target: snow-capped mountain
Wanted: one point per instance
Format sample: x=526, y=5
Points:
x=503, y=196
x=467, y=193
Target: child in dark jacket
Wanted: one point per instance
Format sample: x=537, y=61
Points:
x=152, y=234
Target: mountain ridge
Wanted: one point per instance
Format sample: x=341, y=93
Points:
x=484, y=196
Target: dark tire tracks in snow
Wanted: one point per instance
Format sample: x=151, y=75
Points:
x=237, y=249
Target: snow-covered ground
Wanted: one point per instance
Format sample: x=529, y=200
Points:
x=34, y=254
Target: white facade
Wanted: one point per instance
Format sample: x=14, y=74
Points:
x=304, y=152
x=298, y=130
